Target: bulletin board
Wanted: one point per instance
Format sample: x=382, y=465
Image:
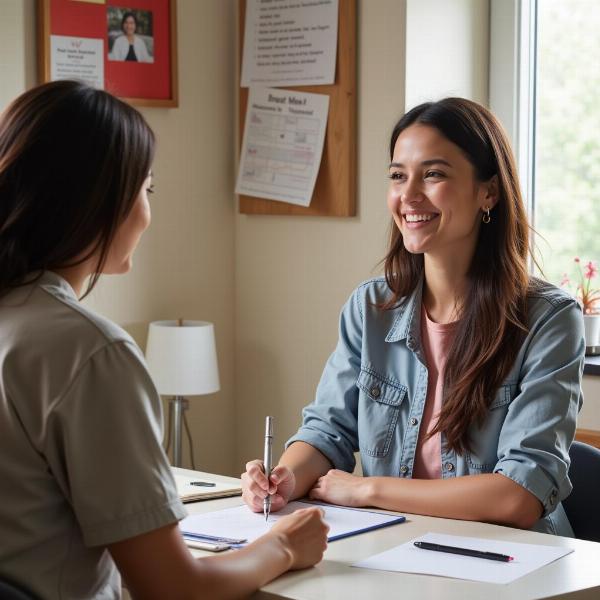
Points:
x=335, y=188
x=93, y=26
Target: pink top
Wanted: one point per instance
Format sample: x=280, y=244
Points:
x=436, y=339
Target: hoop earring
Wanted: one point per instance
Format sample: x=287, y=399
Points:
x=486, y=217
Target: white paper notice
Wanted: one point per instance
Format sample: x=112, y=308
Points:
x=407, y=558
x=77, y=58
x=290, y=42
x=283, y=144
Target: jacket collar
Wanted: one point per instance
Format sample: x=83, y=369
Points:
x=407, y=323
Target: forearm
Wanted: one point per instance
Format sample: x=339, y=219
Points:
x=237, y=574
x=489, y=497
x=174, y=573
x=307, y=463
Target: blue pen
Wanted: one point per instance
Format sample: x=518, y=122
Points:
x=212, y=538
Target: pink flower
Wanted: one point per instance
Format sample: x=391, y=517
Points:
x=588, y=297
x=590, y=270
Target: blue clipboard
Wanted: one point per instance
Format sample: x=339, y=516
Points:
x=392, y=520
x=232, y=525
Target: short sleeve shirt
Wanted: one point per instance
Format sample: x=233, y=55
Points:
x=81, y=427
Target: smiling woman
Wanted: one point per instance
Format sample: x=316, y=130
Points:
x=457, y=375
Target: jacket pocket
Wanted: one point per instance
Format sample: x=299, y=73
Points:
x=483, y=455
x=379, y=403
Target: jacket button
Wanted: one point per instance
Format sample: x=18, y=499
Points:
x=449, y=467
x=414, y=421
x=403, y=469
x=375, y=392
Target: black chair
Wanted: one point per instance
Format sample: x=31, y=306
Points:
x=582, y=506
x=10, y=591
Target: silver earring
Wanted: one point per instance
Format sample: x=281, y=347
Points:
x=486, y=217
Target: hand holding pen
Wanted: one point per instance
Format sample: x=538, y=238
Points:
x=255, y=486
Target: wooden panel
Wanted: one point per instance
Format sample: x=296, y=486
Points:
x=588, y=436
x=335, y=189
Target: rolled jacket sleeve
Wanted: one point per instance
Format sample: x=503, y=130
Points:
x=533, y=447
x=330, y=423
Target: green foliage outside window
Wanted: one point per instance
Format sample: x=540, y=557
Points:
x=567, y=152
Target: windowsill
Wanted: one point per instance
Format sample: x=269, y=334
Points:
x=592, y=365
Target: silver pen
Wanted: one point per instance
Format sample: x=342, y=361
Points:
x=268, y=462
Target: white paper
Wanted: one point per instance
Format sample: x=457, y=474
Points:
x=77, y=58
x=407, y=558
x=290, y=42
x=283, y=144
x=240, y=522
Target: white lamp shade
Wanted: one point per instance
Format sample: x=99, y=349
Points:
x=182, y=360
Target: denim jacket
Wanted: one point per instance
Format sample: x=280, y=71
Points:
x=372, y=394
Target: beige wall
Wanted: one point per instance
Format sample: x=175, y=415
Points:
x=446, y=50
x=17, y=51
x=184, y=265
x=294, y=273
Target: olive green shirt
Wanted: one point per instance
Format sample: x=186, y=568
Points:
x=81, y=464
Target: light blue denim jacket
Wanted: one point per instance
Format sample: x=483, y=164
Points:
x=372, y=395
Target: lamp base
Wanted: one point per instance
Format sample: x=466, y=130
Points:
x=177, y=405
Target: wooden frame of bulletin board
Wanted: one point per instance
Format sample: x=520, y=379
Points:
x=335, y=189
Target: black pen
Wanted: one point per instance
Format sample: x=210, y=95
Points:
x=203, y=483
x=464, y=551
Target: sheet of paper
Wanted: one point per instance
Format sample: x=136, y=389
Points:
x=290, y=42
x=407, y=558
x=241, y=522
x=77, y=58
x=190, y=493
x=283, y=144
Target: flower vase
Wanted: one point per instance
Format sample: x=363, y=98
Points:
x=591, y=324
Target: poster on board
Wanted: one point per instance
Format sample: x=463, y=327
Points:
x=290, y=42
x=282, y=144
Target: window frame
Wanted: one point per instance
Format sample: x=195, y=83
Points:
x=512, y=83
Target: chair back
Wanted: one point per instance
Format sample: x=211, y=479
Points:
x=10, y=591
x=582, y=506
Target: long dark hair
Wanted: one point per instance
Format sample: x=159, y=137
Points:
x=493, y=315
x=72, y=161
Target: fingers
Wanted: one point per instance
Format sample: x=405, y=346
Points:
x=304, y=535
x=281, y=474
x=255, y=486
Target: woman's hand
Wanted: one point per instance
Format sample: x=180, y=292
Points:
x=339, y=487
x=255, y=486
x=303, y=535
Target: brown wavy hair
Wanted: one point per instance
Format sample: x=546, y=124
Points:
x=72, y=162
x=493, y=316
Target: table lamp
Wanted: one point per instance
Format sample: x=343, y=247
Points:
x=182, y=361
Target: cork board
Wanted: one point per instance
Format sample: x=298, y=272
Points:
x=335, y=189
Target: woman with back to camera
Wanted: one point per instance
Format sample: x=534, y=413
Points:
x=457, y=375
x=85, y=481
x=130, y=47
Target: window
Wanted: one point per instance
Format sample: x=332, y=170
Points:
x=566, y=148
x=545, y=87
